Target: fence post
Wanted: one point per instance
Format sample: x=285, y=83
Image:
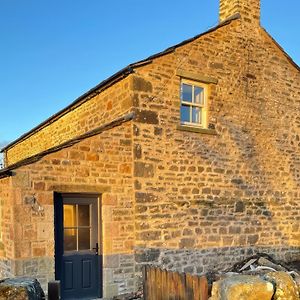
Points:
x=54, y=290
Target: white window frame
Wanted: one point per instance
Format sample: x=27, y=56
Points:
x=204, y=110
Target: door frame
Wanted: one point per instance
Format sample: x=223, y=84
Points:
x=58, y=232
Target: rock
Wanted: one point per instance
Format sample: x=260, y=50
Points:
x=130, y=296
x=267, y=263
x=242, y=287
x=294, y=265
x=21, y=289
x=248, y=264
x=297, y=281
x=286, y=287
x=259, y=261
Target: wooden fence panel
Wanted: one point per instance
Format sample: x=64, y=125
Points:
x=189, y=287
x=196, y=291
x=165, y=285
x=153, y=284
x=203, y=288
x=158, y=280
x=176, y=283
x=172, y=288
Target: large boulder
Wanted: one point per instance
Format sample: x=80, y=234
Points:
x=242, y=287
x=286, y=287
x=297, y=281
x=21, y=289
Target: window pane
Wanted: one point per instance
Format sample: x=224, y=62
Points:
x=70, y=239
x=69, y=215
x=185, y=113
x=199, y=95
x=83, y=215
x=186, y=92
x=84, y=239
x=196, y=115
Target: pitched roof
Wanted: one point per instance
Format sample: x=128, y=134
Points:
x=110, y=81
x=124, y=73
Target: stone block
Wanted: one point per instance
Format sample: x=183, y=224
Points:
x=147, y=255
x=125, y=168
x=240, y=287
x=21, y=289
x=38, y=251
x=187, y=243
x=111, y=261
x=141, y=85
x=109, y=199
x=76, y=155
x=252, y=239
x=45, y=231
x=21, y=179
x=111, y=229
x=39, y=186
x=239, y=207
x=110, y=290
x=158, y=131
x=146, y=116
x=92, y=157
x=142, y=169
x=151, y=235
x=107, y=275
x=144, y=197
x=286, y=287
x=137, y=151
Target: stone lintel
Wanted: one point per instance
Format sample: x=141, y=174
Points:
x=197, y=77
x=80, y=189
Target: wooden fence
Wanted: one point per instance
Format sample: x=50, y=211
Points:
x=165, y=285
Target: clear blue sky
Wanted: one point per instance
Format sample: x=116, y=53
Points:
x=52, y=51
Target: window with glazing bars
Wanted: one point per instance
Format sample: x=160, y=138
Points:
x=193, y=106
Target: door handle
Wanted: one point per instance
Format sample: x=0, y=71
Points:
x=97, y=249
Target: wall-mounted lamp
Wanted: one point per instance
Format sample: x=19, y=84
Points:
x=36, y=207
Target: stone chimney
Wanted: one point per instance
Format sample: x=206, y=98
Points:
x=248, y=9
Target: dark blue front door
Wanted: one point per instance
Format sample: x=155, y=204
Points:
x=78, y=261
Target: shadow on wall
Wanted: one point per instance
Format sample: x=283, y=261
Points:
x=248, y=200
x=267, y=177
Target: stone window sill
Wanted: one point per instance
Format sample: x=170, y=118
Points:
x=197, y=129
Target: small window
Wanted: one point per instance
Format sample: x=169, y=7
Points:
x=77, y=227
x=193, y=104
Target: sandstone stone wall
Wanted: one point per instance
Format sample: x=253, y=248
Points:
x=98, y=110
x=236, y=189
x=189, y=201
x=100, y=164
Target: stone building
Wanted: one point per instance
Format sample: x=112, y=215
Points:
x=188, y=159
